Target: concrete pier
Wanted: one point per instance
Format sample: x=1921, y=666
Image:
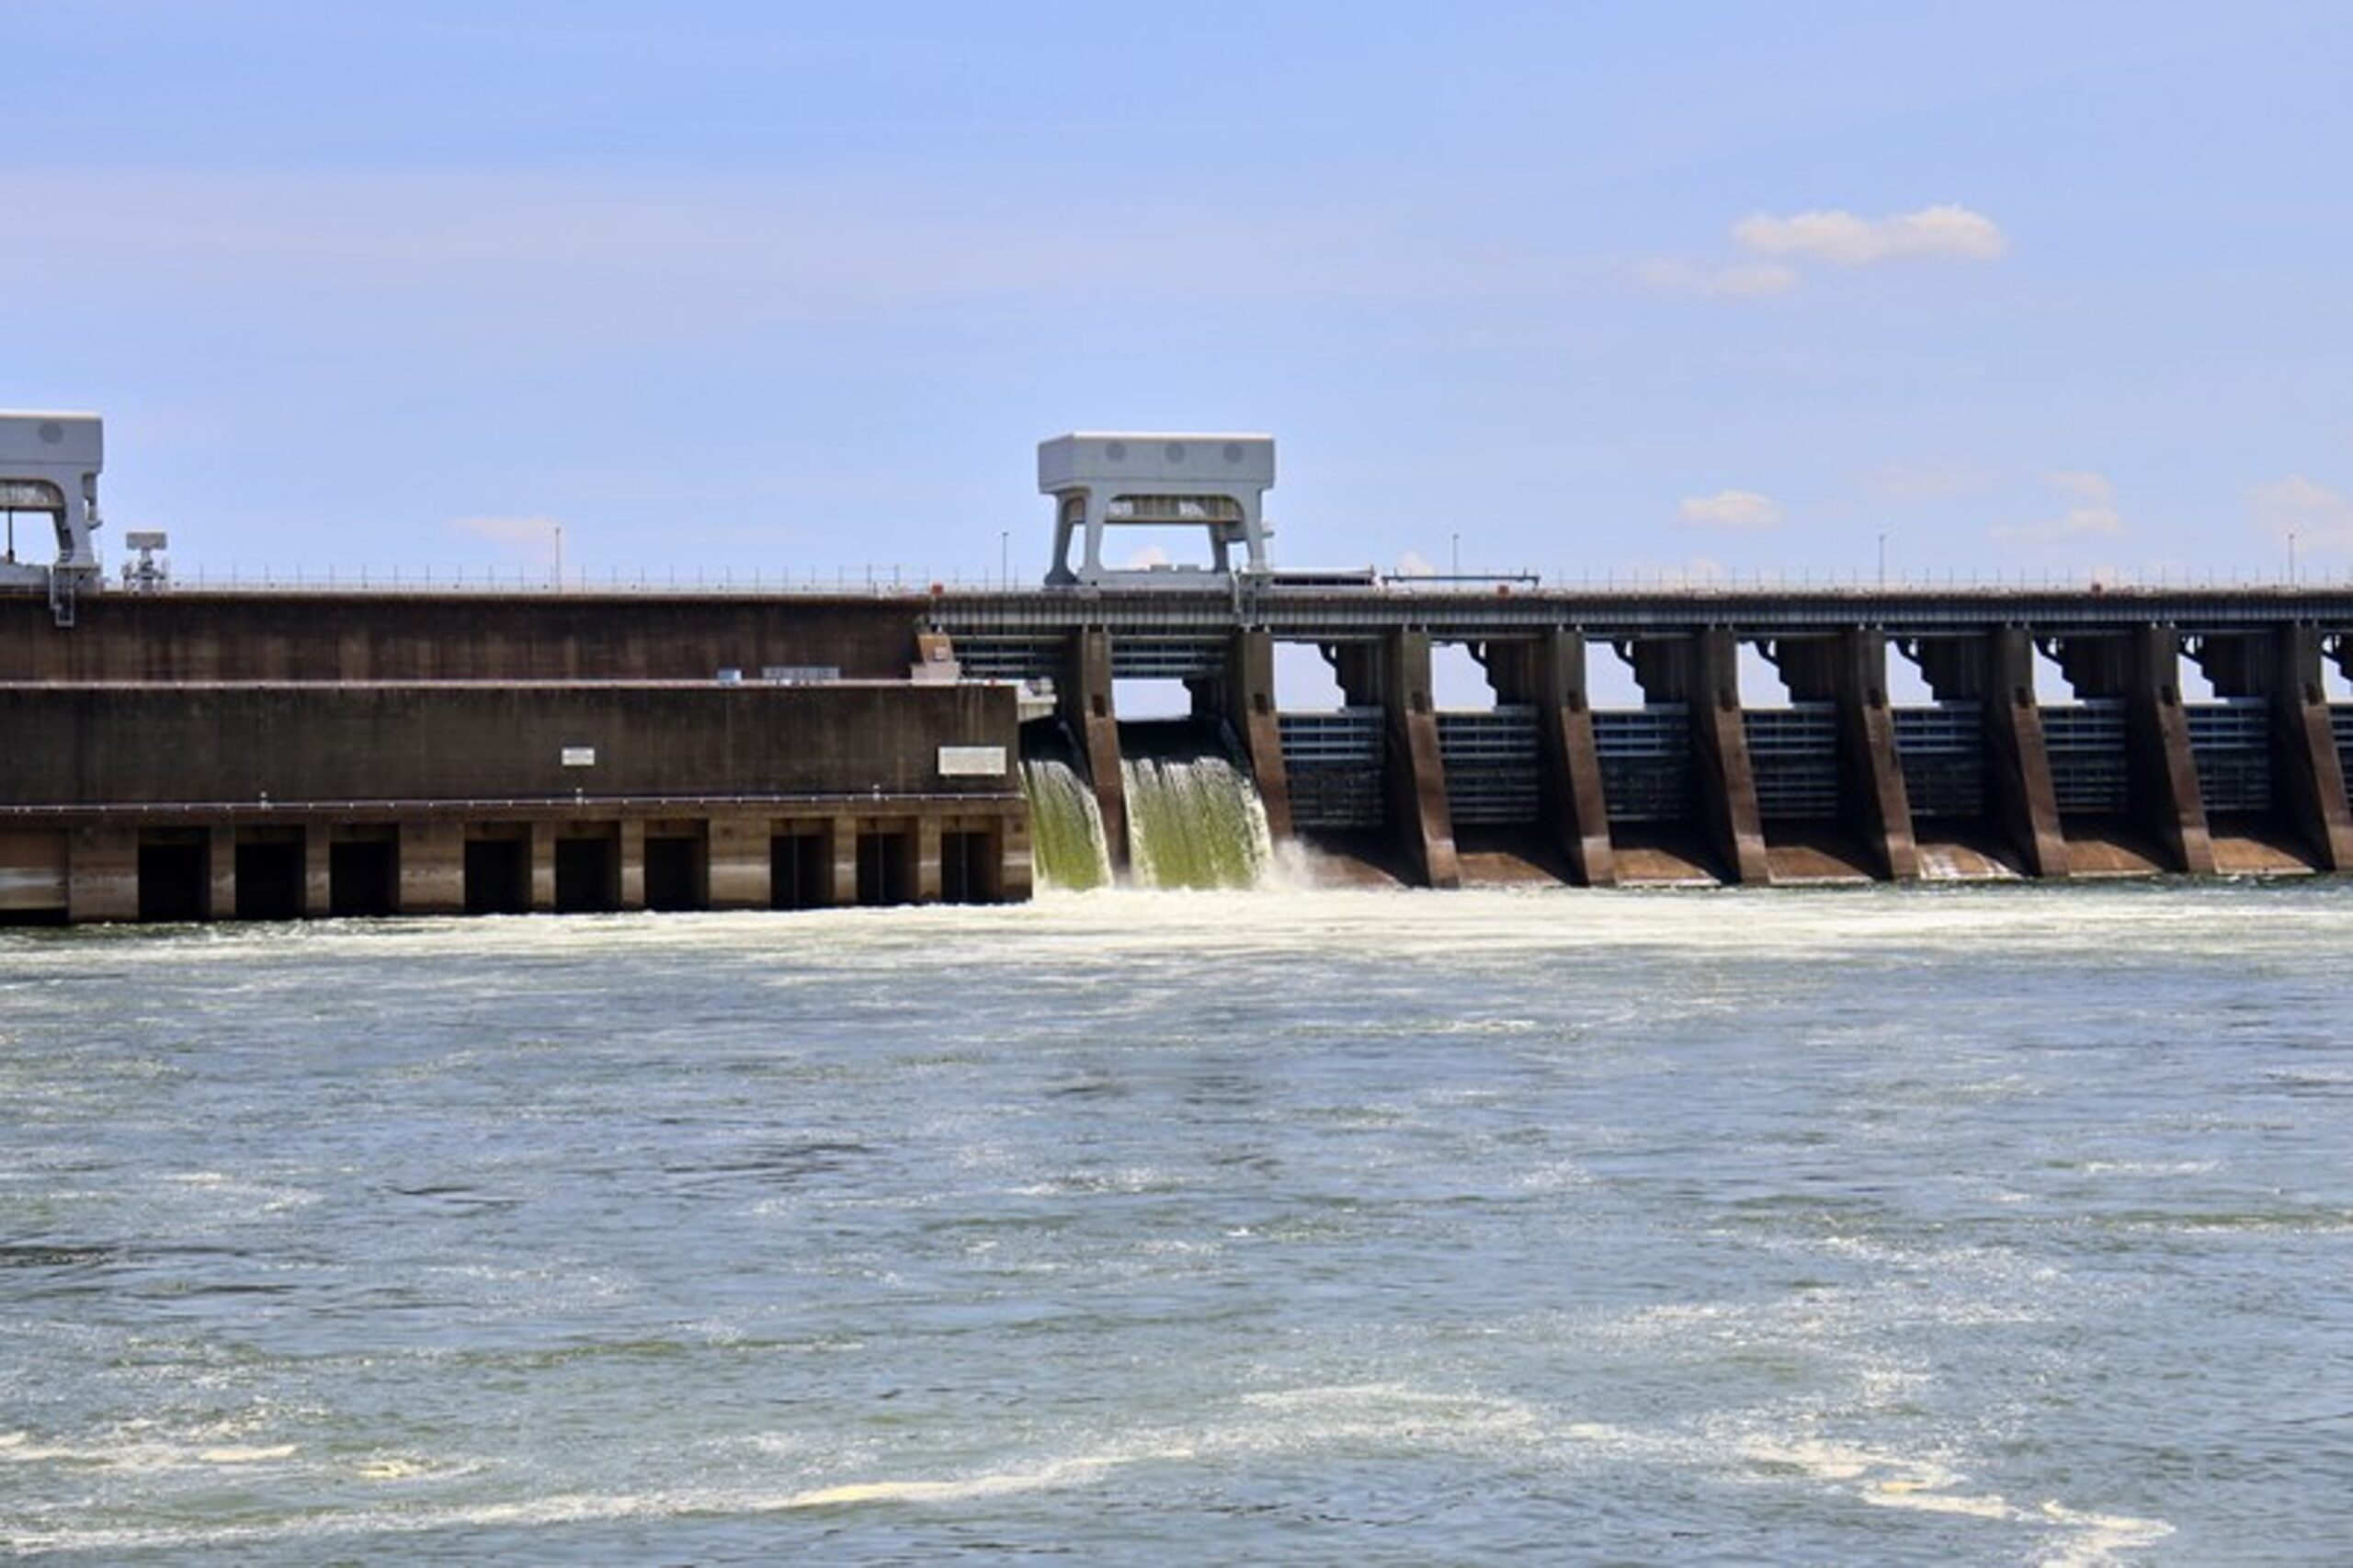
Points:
x=1995, y=669
x=1701, y=671
x=2140, y=668
x=1548, y=676
x=1392, y=675
x=1243, y=696
x=2281, y=668
x=1848, y=670
x=1089, y=714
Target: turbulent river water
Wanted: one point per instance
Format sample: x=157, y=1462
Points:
x=1957, y=1224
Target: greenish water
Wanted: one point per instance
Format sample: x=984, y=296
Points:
x=1194, y=823
x=1066, y=827
x=1885, y=1225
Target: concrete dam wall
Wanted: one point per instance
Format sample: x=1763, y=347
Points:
x=177, y=754
x=197, y=757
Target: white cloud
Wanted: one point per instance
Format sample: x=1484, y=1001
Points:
x=1746, y=280
x=531, y=538
x=1925, y=481
x=1734, y=511
x=2091, y=512
x=2316, y=514
x=1413, y=564
x=1842, y=239
x=1150, y=555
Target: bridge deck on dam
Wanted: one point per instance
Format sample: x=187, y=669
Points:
x=1451, y=614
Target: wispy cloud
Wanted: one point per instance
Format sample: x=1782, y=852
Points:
x=534, y=539
x=1731, y=511
x=1827, y=237
x=2318, y=516
x=1742, y=280
x=1414, y=563
x=1842, y=239
x=2089, y=512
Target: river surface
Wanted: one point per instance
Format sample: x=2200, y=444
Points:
x=1945, y=1224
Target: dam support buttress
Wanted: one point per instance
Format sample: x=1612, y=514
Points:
x=2281, y=668
x=1084, y=695
x=1848, y=670
x=1701, y=671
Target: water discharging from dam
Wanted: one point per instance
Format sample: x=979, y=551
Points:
x=1194, y=821
x=1066, y=825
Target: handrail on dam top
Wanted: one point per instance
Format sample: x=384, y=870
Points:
x=898, y=580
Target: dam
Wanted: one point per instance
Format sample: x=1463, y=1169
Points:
x=170, y=752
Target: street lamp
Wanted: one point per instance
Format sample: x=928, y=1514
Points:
x=2291, y=557
x=1882, y=558
x=1454, y=554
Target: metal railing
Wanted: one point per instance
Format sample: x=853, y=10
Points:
x=918, y=578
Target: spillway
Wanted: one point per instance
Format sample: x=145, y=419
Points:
x=1195, y=821
x=1066, y=826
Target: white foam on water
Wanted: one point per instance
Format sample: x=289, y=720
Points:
x=140, y=1456
x=1053, y=1475
x=1310, y=1419
x=1881, y=1479
x=1904, y=1494
x=2098, y=1540
x=247, y=1454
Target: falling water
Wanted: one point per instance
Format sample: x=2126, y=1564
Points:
x=1195, y=822
x=1066, y=826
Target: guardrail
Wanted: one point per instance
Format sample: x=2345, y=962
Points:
x=897, y=578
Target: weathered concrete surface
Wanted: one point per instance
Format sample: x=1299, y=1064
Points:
x=737, y=863
x=1245, y=697
x=1090, y=715
x=1415, y=772
x=192, y=635
x=1549, y=675
x=104, y=874
x=1849, y=669
x=431, y=876
x=2143, y=668
x=1996, y=670
x=249, y=744
x=34, y=875
x=2283, y=667
x=1702, y=671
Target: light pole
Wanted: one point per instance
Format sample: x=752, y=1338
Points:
x=1454, y=555
x=559, y=555
x=1882, y=558
x=2291, y=557
x=1004, y=557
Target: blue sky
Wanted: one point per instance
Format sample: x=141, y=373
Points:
x=2041, y=289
